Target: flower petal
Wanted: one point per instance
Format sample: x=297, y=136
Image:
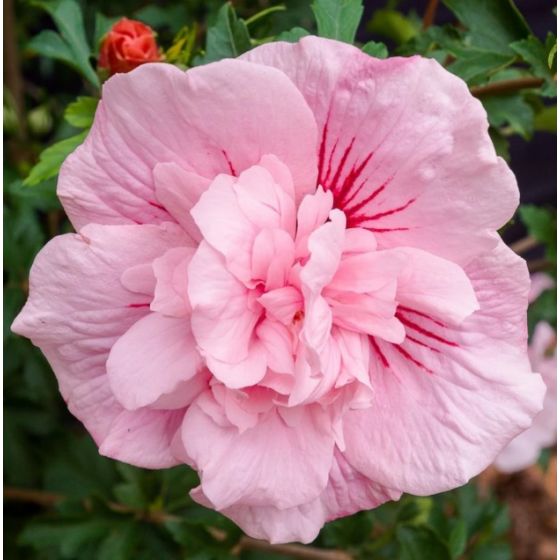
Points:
x=152, y=359
x=78, y=308
x=199, y=120
x=398, y=137
x=271, y=464
x=435, y=380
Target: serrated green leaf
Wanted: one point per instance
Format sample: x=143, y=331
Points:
x=293, y=35
x=458, y=539
x=51, y=159
x=473, y=64
x=50, y=44
x=80, y=113
x=420, y=543
x=393, y=25
x=378, y=50
x=227, y=36
x=510, y=110
x=338, y=19
x=492, y=25
x=535, y=53
x=69, y=20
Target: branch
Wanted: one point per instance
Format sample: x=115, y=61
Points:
x=429, y=14
x=507, y=86
x=523, y=245
x=48, y=499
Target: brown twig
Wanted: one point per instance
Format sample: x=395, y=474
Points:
x=524, y=245
x=430, y=14
x=12, y=69
x=48, y=499
x=507, y=86
x=538, y=265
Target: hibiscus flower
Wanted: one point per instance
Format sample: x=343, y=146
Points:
x=286, y=274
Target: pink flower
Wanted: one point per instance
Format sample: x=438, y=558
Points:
x=287, y=275
x=524, y=450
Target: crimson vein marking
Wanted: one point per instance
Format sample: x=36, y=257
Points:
x=156, y=205
x=409, y=357
x=424, y=315
x=137, y=305
x=380, y=354
x=350, y=180
x=423, y=331
x=366, y=218
x=368, y=199
x=340, y=167
x=420, y=343
x=230, y=165
x=322, y=149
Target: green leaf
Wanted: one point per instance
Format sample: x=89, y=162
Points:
x=80, y=113
x=102, y=26
x=492, y=551
x=552, y=55
x=546, y=119
x=535, y=53
x=473, y=65
x=338, y=19
x=227, y=36
x=120, y=543
x=378, y=50
x=69, y=20
x=420, y=543
x=293, y=35
x=50, y=44
x=264, y=14
x=67, y=536
x=543, y=309
x=181, y=50
x=51, y=159
x=492, y=25
x=458, y=539
x=393, y=25
x=541, y=224
x=511, y=110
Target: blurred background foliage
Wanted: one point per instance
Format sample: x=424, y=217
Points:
x=62, y=500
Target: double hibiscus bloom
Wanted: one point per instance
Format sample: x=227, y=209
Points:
x=287, y=275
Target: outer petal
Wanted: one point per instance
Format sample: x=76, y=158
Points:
x=271, y=464
x=78, y=308
x=438, y=377
x=156, y=357
x=346, y=493
x=218, y=118
x=524, y=450
x=399, y=136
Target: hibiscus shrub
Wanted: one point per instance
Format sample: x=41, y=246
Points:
x=63, y=499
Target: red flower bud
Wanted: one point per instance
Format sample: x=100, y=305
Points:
x=128, y=44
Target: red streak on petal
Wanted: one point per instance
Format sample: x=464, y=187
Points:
x=386, y=213
x=322, y=150
x=156, y=205
x=377, y=350
x=135, y=305
x=353, y=209
x=230, y=165
x=424, y=315
x=420, y=343
x=423, y=331
x=404, y=353
x=349, y=183
x=354, y=223
x=341, y=165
